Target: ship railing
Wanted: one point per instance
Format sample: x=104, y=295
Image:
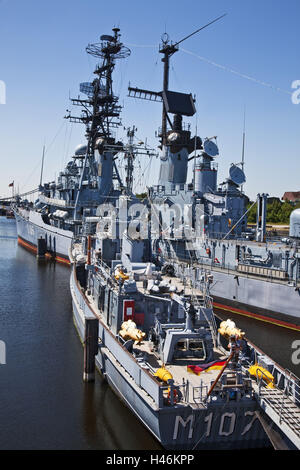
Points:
x=203, y=262
x=173, y=394
x=200, y=394
x=211, y=322
x=290, y=393
x=283, y=379
x=106, y=271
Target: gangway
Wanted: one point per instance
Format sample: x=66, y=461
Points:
x=281, y=403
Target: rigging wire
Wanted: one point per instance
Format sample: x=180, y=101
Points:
x=227, y=69
x=235, y=72
x=46, y=150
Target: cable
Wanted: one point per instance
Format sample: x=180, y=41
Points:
x=239, y=221
x=235, y=72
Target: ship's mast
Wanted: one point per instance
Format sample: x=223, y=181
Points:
x=167, y=49
x=131, y=151
x=100, y=109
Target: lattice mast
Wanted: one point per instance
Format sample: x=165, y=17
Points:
x=100, y=110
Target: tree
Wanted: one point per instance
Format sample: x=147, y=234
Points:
x=277, y=212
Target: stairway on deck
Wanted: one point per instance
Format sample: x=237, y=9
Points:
x=283, y=412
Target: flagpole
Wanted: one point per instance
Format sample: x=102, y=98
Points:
x=219, y=375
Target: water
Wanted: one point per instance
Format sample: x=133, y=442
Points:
x=44, y=403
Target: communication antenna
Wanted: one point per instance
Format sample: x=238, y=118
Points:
x=200, y=29
x=174, y=103
x=237, y=175
x=243, y=147
x=42, y=168
x=210, y=148
x=169, y=49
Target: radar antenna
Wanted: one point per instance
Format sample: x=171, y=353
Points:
x=167, y=48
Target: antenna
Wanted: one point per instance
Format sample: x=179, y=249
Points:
x=42, y=166
x=200, y=29
x=243, y=147
x=168, y=50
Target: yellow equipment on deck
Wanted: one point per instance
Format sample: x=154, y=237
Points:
x=228, y=328
x=130, y=331
x=260, y=372
x=119, y=274
x=163, y=374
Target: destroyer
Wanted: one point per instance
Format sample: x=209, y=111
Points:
x=253, y=275
x=88, y=179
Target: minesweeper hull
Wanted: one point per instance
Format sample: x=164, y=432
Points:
x=229, y=425
x=30, y=227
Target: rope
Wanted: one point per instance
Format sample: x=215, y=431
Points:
x=235, y=72
x=20, y=195
x=238, y=221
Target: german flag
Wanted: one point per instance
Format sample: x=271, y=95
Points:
x=214, y=365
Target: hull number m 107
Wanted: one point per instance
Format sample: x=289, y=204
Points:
x=226, y=424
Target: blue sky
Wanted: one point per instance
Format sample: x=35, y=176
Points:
x=43, y=60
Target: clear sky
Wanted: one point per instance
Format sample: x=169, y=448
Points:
x=248, y=60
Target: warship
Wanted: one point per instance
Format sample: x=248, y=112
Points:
x=50, y=224
x=153, y=337
x=205, y=222
x=151, y=332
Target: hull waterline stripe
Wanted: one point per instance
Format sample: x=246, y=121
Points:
x=29, y=246
x=273, y=321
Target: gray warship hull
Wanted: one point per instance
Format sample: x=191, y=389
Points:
x=30, y=227
x=266, y=301
x=216, y=426
x=261, y=293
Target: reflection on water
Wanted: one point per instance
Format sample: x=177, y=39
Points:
x=44, y=403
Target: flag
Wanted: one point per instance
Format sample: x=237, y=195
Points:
x=11, y=184
x=214, y=365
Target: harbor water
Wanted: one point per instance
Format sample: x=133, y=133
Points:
x=44, y=403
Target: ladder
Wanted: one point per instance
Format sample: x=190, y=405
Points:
x=282, y=406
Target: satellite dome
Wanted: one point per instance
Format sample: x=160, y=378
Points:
x=295, y=224
x=81, y=149
x=173, y=136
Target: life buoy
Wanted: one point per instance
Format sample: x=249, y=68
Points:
x=217, y=261
x=208, y=251
x=175, y=396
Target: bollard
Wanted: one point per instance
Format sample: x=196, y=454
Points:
x=90, y=348
x=41, y=248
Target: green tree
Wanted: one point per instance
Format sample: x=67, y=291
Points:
x=277, y=212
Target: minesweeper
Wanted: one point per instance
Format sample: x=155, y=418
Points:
x=50, y=224
x=153, y=337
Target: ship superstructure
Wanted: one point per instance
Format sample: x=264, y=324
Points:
x=205, y=222
x=148, y=324
x=91, y=176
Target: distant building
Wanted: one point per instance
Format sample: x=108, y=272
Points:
x=270, y=200
x=291, y=196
